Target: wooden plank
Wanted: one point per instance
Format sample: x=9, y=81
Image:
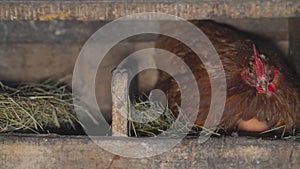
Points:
x=294, y=40
x=32, y=62
x=110, y=10
x=59, y=32
x=119, y=99
x=81, y=152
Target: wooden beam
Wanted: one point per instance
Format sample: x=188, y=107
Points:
x=110, y=9
x=81, y=152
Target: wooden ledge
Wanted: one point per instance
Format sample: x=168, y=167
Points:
x=110, y=9
x=81, y=152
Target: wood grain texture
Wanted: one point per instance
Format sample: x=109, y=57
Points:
x=110, y=10
x=81, y=152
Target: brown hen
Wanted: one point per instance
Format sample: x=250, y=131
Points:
x=262, y=91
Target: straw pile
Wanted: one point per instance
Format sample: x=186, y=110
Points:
x=38, y=108
x=48, y=108
x=159, y=125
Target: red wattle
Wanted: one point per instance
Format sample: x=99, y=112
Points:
x=272, y=87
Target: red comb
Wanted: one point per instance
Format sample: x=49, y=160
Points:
x=259, y=65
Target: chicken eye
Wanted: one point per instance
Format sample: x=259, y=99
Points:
x=250, y=71
x=270, y=76
x=260, y=89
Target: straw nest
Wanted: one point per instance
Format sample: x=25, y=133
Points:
x=162, y=119
x=39, y=108
x=48, y=108
x=159, y=120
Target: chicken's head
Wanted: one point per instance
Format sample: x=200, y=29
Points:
x=260, y=75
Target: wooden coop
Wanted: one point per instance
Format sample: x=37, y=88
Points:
x=42, y=39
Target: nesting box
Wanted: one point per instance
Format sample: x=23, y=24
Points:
x=42, y=40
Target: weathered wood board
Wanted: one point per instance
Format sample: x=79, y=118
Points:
x=80, y=152
x=110, y=10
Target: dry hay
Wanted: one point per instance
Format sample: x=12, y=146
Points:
x=161, y=119
x=38, y=108
x=48, y=108
x=160, y=125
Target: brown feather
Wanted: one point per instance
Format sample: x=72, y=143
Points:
x=243, y=100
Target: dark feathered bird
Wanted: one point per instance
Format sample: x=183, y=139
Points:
x=262, y=91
